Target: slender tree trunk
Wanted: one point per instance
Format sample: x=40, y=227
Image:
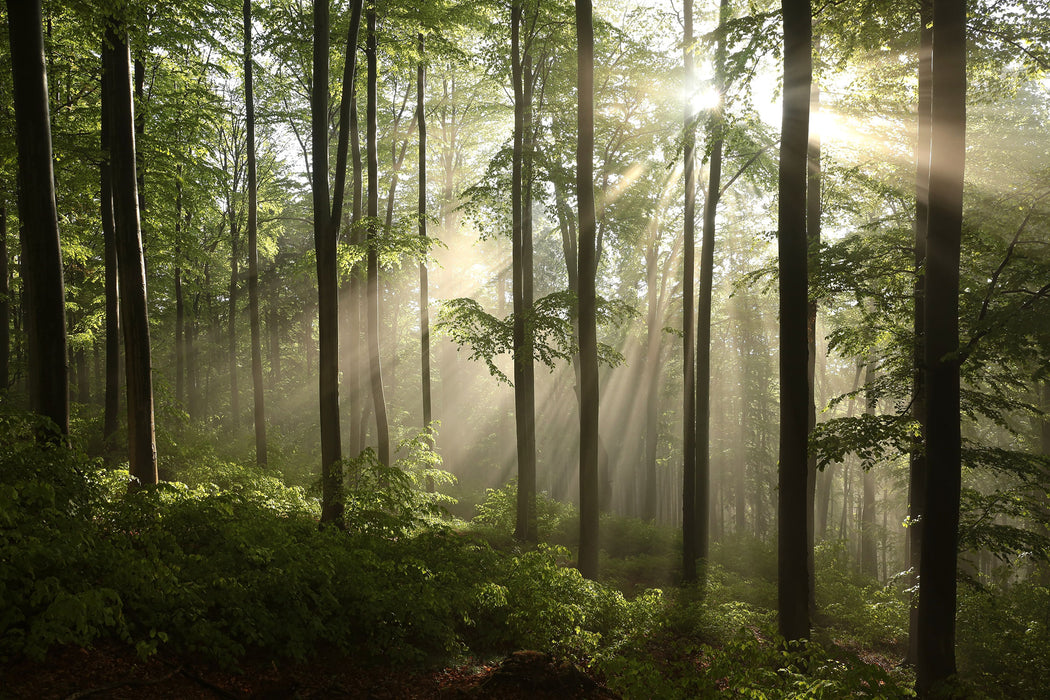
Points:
x=140, y=130
x=42, y=255
x=917, y=458
x=180, y=309
x=424, y=297
x=702, y=498
x=652, y=369
x=940, y=531
x=356, y=388
x=376, y=370
x=258, y=391
x=588, y=268
x=231, y=336
x=134, y=318
x=521, y=237
x=793, y=599
x=5, y=305
x=689, y=519
x=813, y=212
x=869, y=560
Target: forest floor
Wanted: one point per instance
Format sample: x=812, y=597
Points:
x=113, y=671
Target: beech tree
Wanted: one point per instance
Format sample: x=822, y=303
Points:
x=588, y=268
x=45, y=289
x=940, y=530
x=792, y=556
x=134, y=319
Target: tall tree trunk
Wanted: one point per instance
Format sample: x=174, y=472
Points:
x=869, y=560
x=917, y=457
x=813, y=212
x=140, y=130
x=258, y=390
x=588, y=268
x=5, y=305
x=356, y=388
x=134, y=318
x=521, y=237
x=940, y=531
x=42, y=255
x=424, y=296
x=793, y=597
x=376, y=370
x=180, y=309
x=702, y=499
x=231, y=333
x=689, y=519
x=652, y=369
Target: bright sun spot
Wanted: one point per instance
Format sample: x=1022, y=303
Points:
x=704, y=100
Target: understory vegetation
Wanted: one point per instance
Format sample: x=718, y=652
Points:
x=228, y=560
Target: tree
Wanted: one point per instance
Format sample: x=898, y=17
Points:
x=134, y=319
x=42, y=266
x=372, y=242
x=327, y=217
x=259, y=413
x=917, y=457
x=793, y=584
x=112, y=391
x=588, y=268
x=424, y=296
x=521, y=266
x=689, y=526
x=940, y=530
x=701, y=497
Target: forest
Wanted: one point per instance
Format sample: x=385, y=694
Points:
x=525, y=349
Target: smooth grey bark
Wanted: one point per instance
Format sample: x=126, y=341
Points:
x=521, y=269
x=375, y=365
x=792, y=555
x=588, y=263
x=813, y=213
x=869, y=562
x=940, y=529
x=424, y=295
x=258, y=391
x=134, y=319
x=702, y=490
x=689, y=544
x=44, y=289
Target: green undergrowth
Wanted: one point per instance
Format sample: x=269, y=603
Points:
x=228, y=560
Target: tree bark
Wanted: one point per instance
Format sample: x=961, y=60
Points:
x=5, y=305
x=689, y=517
x=376, y=369
x=134, y=317
x=813, y=213
x=917, y=457
x=869, y=560
x=702, y=498
x=588, y=264
x=424, y=296
x=521, y=242
x=793, y=595
x=44, y=288
x=940, y=531
x=258, y=391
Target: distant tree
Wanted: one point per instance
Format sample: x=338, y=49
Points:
x=134, y=320
x=793, y=584
x=372, y=240
x=424, y=295
x=940, y=530
x=689, y=527
x=703, y=313
x=5, y=305
x=588, y=557
x=259, y=412
x=42, y=255
x=110, y=421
